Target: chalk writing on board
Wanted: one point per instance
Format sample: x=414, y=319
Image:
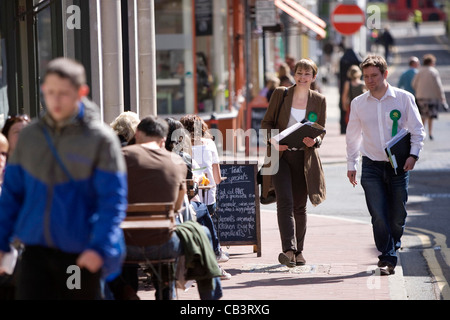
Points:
x=236, y=204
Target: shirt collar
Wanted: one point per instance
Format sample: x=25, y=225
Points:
x=389, y=92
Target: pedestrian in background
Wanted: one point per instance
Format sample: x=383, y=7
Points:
x=430, y=93
x=300, y=172
x=405, y=81
x=417, y=20
x=12, y=128
x=64, y=194
x=352, y=88
x=387, y=40
x=373, y=119
x=272, y=83
x=284, y=74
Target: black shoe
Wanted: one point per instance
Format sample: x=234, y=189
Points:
x=431, y=137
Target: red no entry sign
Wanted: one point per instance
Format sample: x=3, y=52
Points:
x=347, y=18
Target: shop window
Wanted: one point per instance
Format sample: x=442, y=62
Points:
x=4, y=105
x=212, y=56
x=174, y=57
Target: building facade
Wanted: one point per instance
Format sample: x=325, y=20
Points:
x=164, y=57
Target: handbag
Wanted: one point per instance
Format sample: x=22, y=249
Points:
x=264, y=180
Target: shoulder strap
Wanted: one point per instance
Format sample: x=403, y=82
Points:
x=55, y=153
x=281, y=103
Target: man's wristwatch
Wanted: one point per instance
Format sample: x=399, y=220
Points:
x=414, y=156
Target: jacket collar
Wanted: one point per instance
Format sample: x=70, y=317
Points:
x=285, y=111
x=75, y=119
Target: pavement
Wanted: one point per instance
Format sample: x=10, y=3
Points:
x=340, y=253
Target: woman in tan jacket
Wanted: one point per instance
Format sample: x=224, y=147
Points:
x=430, y=93
x=299, y=173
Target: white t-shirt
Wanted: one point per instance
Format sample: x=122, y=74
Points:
x=298, y=114
x=205, y=155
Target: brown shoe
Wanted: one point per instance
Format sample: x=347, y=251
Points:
x=287, y=258
x=385, y=268
x=299, y=260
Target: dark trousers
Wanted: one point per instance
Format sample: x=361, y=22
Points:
x=386, y=196
x=292, y=194
x=43, y=274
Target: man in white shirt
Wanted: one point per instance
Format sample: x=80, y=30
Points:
x=375, y=118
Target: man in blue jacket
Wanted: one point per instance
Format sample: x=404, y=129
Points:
x=64, y=194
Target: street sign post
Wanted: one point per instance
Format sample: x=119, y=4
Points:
x=347, y=18
x=266, y=13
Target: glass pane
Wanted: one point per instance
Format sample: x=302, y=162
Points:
x=4, y=105
x=171, y=81
x=168, y=17
x=44, y=45
x=174, y=57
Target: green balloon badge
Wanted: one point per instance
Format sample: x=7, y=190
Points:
x=395, y=116
x=312, y=117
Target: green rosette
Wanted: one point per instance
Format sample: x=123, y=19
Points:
x=312, y=117
x=395, y=115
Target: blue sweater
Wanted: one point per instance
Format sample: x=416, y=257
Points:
x=40, y=205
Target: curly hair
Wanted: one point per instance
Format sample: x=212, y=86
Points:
x=196, y=126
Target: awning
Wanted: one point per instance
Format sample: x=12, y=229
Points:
x=304, y=16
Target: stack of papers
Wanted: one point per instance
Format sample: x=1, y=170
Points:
x=398, y=150
x=294, y=135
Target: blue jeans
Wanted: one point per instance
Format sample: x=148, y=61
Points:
x=386, y=197
x=204, y=214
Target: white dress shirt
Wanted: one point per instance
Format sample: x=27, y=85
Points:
x=370, y=125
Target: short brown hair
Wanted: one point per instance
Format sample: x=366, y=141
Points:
x=305, y=64
x=68, y=69
x=12, y=120
x=429, y=59
x=375, y=61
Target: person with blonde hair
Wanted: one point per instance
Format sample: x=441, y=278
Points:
x=125, y=125
x=352, y=88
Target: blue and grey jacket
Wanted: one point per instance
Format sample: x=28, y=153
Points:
x=41, y=205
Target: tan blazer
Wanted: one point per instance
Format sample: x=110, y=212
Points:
x=315, y=179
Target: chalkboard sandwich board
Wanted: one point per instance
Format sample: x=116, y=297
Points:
x=237, y=214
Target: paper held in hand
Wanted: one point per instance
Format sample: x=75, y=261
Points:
x=9, y=260
x=294, y=135
x=398, y=149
